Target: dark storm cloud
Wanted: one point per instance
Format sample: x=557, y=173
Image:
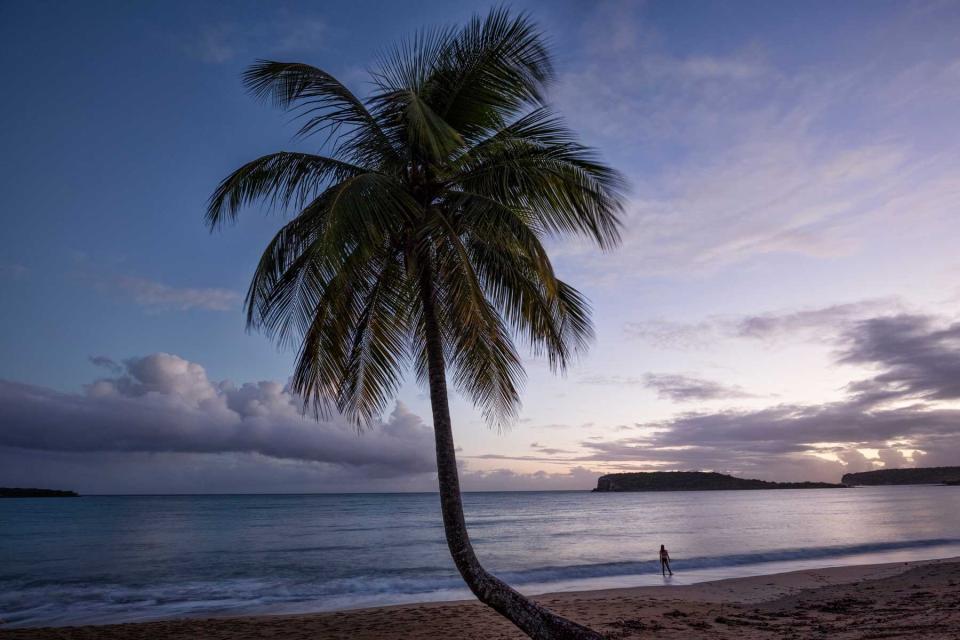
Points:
x=919, y=358
x=165, y=404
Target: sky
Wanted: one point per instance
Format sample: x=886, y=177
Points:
x=785, y=304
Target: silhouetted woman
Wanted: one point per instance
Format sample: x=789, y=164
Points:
x=665, y=561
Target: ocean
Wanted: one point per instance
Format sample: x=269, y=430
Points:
x=104, y=559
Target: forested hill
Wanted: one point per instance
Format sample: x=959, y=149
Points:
x=920, y=475
x=694, y=481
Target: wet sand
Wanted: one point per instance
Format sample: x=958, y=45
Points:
x=898, y=600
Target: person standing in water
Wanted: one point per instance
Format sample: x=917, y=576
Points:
x=665, y=561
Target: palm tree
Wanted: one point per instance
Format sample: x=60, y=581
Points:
x=418, y=241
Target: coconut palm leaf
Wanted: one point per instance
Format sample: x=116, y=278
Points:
x=417, y=240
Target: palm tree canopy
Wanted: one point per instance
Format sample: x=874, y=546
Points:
x=453, y=169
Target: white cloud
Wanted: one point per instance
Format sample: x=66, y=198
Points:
x=165, y=404
x=152, y=295
x=161, y=425
x=157, y=296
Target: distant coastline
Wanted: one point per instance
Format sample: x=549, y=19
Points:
x=14, y=492
x=918, y=475
x=695, y=481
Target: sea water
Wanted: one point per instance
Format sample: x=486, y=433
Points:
x=102, y=559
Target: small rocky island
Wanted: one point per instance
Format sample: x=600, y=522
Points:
x=695, y=481
x=919, y=475
x=12, y=492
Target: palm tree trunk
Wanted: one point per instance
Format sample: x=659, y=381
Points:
x=536, y=621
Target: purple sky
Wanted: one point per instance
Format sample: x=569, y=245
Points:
x=786, y=303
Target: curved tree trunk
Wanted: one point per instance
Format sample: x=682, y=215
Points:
x=536, y=621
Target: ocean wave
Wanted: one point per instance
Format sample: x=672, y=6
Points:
x=611, y=569
x=32, y=603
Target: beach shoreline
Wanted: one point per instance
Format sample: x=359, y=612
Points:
x=897, y=599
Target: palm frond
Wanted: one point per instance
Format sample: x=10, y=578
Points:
x=354, y=352
x=348, y=222
x=540, y=126
x=486, y=366
x=563, y=185
x=491, y=69
x=322, y=367
x=282, y=179
x=409, y=64
x=379, y=351
x=416, y=126
x=551, y=317
x=326, y=105
x=432, y=201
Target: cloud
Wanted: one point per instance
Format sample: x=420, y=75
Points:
x=615, y=380
x=553, y=425
x=107, y=363
x=668, y=334
x=782, y=194
x=765, y=443
x=820, y=323
x=157, y=296
x=906, y=411
x=919, y=357
x=638, y=91
x=680, y=388
x=145, y=473
x=675, y=387
x=547, y=450
x=154, y=296
x=162, y=403
x=284, y=33
x=734, y=157
x=160, y=425
x=577, y=478
x=830, y=319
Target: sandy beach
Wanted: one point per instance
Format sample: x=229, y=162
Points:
x=898, y=600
